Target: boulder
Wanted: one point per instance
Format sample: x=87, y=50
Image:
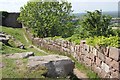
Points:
x=20, y=55
x=57, y=66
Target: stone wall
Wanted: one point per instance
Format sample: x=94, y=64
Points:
x=11, y=20
x=104, y=61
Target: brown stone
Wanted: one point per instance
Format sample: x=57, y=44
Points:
x=91, y=56
x=88, y=62
x=114, y=53
x=98, y=61
x=101, y=56
x=105, y=67
x=106, y=51
x=95, y=51
x=116, y=65
x=108, y=60
x=115, y=74
x=86, y=47
x=103, y=74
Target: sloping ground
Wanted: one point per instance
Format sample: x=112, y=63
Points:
x=15, y=68
x=10, y=64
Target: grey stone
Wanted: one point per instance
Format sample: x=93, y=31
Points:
x=101, y=56
x=21, y=55
x=58, y=66
x=105, y=67
x=4, y=40
x=95, y=51
x=114, y=53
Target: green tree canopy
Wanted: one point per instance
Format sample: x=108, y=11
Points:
x=96, y=24
x=48, y=18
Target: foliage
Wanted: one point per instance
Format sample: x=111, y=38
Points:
x=96, y=24
x=48, y=18
x=83, y=33
x=4, y=14
x=74, y=38
x=104, y=41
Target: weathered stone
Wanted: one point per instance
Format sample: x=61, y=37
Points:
x=115, y=74
x=91, y=56
x=114, y=53
x=21, y=55
x=4, y=40
x=101, y=56
x=97, y=69
x=72, y=49
x=95, y=51
x=106, y=51
x=88, y=61
x=98, y=61
x=58, y=66
x=86, y=47
x=103, y=74
x=108, y=60
x=91, y=49
x=83, y=42
x=115, y=65
x=105, y=67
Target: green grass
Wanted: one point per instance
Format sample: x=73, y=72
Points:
x=89, y=73
x=17, y=33
x=11, y=70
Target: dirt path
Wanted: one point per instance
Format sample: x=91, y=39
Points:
x=77, y=72
x=40, y=50
x=25, y=37
x=34, y=46
x=80, y=74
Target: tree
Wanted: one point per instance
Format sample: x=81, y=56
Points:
x=48, y=18
x=96, y=24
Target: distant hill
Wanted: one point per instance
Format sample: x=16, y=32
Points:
x=114, y=14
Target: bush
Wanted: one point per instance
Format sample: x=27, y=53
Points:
x=104, y=41
x=74, y=38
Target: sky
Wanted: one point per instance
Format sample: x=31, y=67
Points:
x=79, y=6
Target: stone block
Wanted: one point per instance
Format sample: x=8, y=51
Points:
x=57, y=66
x=101, y=56
x=116, y=65
x=91, y=56
x=103, y=74
x=114, y=53
x=95, y=51
x=86, y=47
x=88, y=61
x=115, y=74
x=106, y=51
x=105, y=67
x=91, y=49
x=108, y=61
x=98, y=61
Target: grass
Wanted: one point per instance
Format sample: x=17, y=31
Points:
x=17, y=33
x=11, y=70
x=91, y=75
